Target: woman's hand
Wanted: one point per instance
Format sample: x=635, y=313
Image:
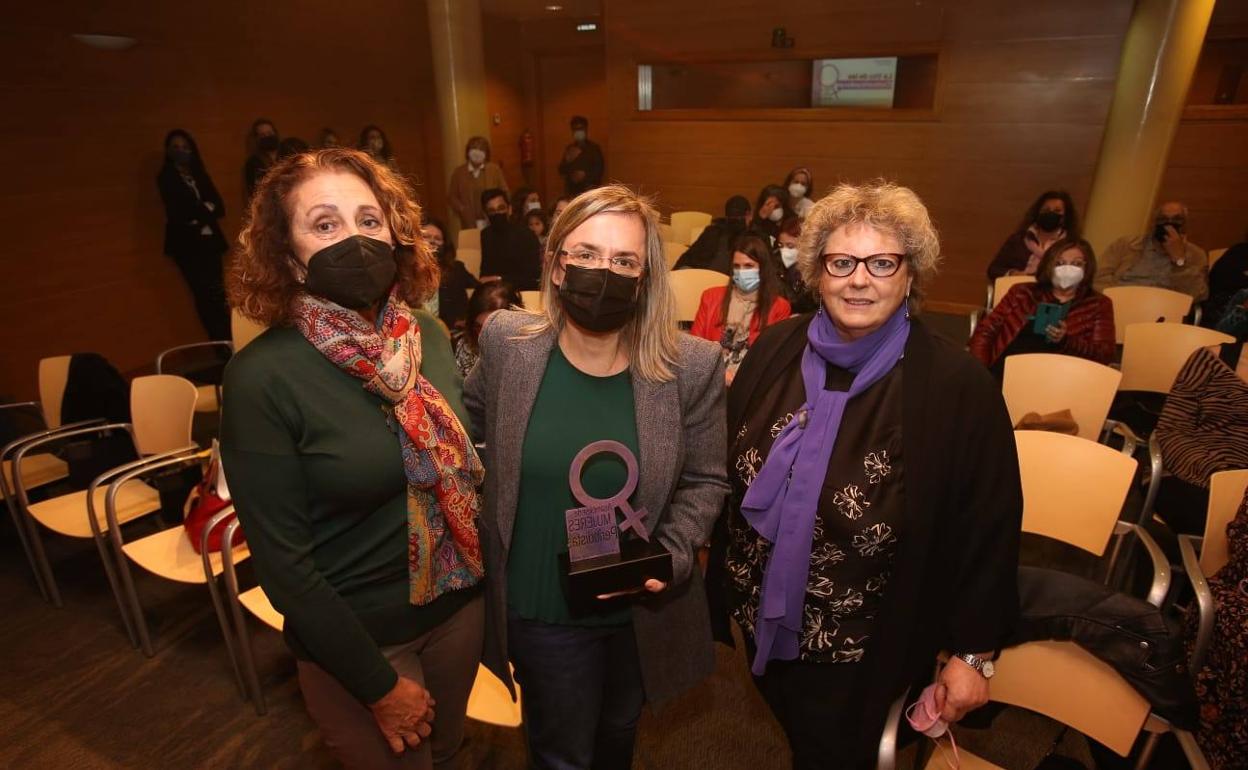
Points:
x=1055, y=332
x=404, y=715
x=962, y=690
x=652, y=586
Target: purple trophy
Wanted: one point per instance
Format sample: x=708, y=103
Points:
x=602, y=557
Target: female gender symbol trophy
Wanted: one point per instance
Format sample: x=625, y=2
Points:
x=600, y=559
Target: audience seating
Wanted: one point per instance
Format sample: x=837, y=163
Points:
x=666, y=233
x=168, y=362
x=162, y=408
x=531, y=299
x=1048, y=382
x=243, y=330
x=1205, y=555
x=1146, y=304
x=998, y=288
x=471, y=257
x=687, y=288
x=683, y=223
x=1153, y=353
x=468, y=239
x=1215, y=255
x=672, y=252
x=695, y=233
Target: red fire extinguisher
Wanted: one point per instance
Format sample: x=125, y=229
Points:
x=526, y=148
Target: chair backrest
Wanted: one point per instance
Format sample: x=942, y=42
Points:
x=1226, y=492
x=1001, y=286
x=1073, y=489
x=1065, y=683
x=532, y=299
x=672, y=252
x=1048, y=382
x=471, y=257
x=1146, y=304
x=243, y=330
x=687, y=287
x=1215, y=255
x=666, y=233
x=1153, y=354
x=161, y=409
x=53, y=377
x=683, y=223
x=468, y=239
x=695, y=233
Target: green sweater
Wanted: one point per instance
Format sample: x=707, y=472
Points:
x=317, y=479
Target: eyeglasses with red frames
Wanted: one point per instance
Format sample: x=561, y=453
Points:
x=880, y=265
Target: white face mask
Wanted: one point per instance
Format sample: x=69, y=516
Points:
x=1066, y=277
x=797, y=189
x=476, y=157
x=578, y=135
x=788, y=255
x=776, y=214
x=532, y=206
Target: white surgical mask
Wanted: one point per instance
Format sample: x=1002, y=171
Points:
x=788, y=255
x=532, y=206
x=476, y=157
x=578, y=135
x=1067, y=276
x=776, y=214
x=797, y=189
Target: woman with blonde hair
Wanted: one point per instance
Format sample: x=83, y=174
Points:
x=875, y=503
x=603, y=360
x=348, y=461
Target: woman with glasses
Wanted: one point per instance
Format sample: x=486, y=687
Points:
x=875, y=504
x=1075, y=319
x=733, y=315
x=601, y=360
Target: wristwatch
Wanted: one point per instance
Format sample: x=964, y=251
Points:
x=984, y=667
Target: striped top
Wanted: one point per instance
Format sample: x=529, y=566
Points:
x=1204, y=426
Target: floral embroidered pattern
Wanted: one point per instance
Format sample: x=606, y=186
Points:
x=818, y=630
x=851, y=502
x=778, y=425
x=748, y=466
x=851, y=650
x=876, y=466
x=874, y=539
x=875, y=585
x=826, y=554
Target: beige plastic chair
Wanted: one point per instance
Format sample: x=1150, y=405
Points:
x=1073, y=491
x=1215, y=255
x=1048, y=382
x=468, y=239
x=243, y=330
x=683, y=223
x=162, y=407
x=1001, y=286
x=666, y=232
x=687, y=287
x=471, y=257
x=695, y=233
x=1153, y=353
x=532, y=299
x=672, y=252
x=1203, y=556
x=1146, y=304
x=209, y=395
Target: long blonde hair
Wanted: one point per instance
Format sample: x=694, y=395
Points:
x=651, y=337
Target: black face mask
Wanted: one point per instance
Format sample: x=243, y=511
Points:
x=267, y=143
x=597, y=299
x=355, y=272
x=181, y=157
x=1160, y=232
x=497, y=220
x=1049, y=221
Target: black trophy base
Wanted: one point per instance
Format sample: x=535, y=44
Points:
x=637, y=562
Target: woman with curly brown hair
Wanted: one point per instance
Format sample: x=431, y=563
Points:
x=348, y=461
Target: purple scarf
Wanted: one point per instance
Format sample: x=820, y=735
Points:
x=781, y=504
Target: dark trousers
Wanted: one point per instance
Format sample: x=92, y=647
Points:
x=202, y=273
x=582, y=693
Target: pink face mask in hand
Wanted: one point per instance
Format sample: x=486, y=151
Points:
x=924, y=717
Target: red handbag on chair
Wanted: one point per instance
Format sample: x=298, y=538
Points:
x=209, y=498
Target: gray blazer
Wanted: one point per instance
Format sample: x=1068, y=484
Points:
x=681, y=432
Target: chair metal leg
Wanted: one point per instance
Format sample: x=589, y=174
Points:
x=1149, y=748
x=132, y=596
x=111, y=574
x=53, y=594
x=20, y=528
x=227, y=634
x=248, y=657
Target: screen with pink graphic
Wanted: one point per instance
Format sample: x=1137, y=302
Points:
x=853, y=82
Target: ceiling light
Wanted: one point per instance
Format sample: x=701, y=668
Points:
x=554, y=8
x=587, y=27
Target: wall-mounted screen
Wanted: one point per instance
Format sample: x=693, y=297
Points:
x=853, y=82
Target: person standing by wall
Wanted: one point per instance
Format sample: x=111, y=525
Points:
x=582, y=165
x=262, y=145
x=475, y=176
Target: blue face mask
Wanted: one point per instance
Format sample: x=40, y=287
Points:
x=746, y=280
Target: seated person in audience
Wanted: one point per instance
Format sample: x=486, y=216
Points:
x=509, y=250
x=785, y=260
x=561, y=203
x=1049, y=219
x=524, y=200
x=476, y=175
x=1227, y=277
x=375, y=142
x=362, y=535
x=1203, y=429
x=327, y=138
x=799, y=184
x=1234, y=320
x=713, y=248
x=488, y=299
x=456, y=281
x=771, y=209
x=1163, y=257
x=291, y=145
x=537, y=224
x=734, y=314
x=1084, y=324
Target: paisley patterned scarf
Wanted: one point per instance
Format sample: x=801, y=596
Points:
x=442, y=467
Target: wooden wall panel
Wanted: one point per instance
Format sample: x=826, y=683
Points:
x=1020, y=107
x=82, y=267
